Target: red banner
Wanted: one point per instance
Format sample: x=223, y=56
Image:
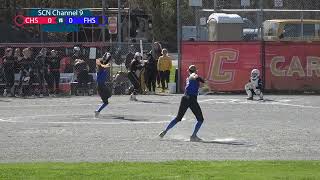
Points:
x=225, y=65
x=292, y=66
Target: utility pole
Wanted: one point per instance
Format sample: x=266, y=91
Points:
x=103, y=17
x=262, y=49
x=178, y=46
x=119, y=23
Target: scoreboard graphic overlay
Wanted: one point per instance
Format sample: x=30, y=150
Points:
x=60, y=20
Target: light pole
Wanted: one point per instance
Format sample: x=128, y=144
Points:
x=103, y=16
x=178, y=45
x=119, y=24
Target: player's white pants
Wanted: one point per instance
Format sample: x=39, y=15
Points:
x=249, y=87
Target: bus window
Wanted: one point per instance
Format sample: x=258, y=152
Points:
x=309, y=30
x=291, y=30
x=317, y=26
x=270, y=28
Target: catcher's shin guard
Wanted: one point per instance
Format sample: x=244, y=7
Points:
x=247, y=87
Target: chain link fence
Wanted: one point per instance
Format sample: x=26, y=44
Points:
x=252, y=20
x=59, y=68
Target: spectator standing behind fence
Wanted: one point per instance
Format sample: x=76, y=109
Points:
x=17, y=64
x=8, y=67
x=156, y=53
x=151, y=73
x=81, y=69
x=164, y=66
x=17, y=59
x=54, y=72
x=26, y=73
x=42, y=70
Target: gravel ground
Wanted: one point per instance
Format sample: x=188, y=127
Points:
x=64, y=129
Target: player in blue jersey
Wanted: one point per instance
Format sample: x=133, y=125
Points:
x=103, y=90
x=189, y=100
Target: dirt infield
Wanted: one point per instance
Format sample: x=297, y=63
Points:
x=64, y=129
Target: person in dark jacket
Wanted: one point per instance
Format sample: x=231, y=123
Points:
x=151, y=73
x=17, y=59
x=54, y=72
x=41, y=68
x=26, y=73
x=189, y=100
x=134, y=74
x=81, y=70
x=8, y=67
x=156, y=53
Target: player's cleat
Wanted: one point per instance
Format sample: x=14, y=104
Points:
x=96, y=114
x=195, y=139
x=250, y=98
x=41, y=95
x=133, y=97
x=260, y=99
x=162, y=134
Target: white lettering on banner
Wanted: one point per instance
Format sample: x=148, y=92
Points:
x=273, y=66
x=313, y=65
x=217, y=73
x=295, y=67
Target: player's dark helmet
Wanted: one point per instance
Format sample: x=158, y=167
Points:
x=106, y=58
x=192, y=69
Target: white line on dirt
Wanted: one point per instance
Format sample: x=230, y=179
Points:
x=282, y=102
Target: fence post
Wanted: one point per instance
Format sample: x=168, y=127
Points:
x=262, y=45
x=103, y=16
x=179, y=45
x=119, y=28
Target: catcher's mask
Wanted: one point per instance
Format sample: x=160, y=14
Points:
x=255, y=73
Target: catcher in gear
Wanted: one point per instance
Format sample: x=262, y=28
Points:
x=254, y=86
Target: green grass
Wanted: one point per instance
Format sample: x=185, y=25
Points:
x=172, y=73
x=165, y=170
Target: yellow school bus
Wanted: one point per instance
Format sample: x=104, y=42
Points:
x=291, y=30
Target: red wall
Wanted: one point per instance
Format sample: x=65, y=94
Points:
x=227, y=65
x=292, y=66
